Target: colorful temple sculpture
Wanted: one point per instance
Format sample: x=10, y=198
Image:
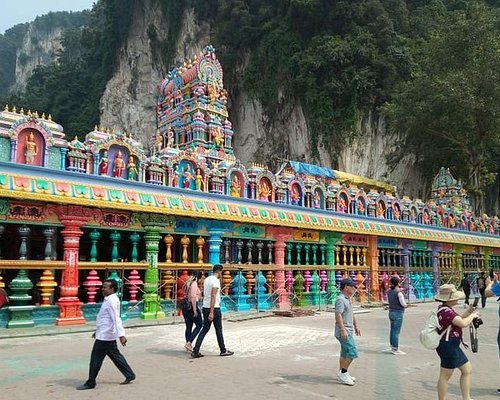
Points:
x=73, y=213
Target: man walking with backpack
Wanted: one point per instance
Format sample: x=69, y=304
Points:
x=465, y=286
x=481, y=285
x=345, y=328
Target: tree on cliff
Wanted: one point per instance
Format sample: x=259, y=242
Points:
x=451, y=106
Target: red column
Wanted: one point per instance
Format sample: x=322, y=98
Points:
x=73, y=218
x=280, y=235
x=373, y=263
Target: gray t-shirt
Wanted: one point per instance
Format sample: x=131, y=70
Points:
x=343, y=307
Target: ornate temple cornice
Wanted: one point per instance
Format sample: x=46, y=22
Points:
x=32, y=183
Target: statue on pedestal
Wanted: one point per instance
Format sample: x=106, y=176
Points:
x=31, y=149
x=119, y=165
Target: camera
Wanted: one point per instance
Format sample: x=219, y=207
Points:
x=477, y=322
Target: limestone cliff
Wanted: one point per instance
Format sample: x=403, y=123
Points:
x=41, y=43
x=39, y=47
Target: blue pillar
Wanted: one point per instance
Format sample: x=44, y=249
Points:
x=214, y=243
x=405, y=253
x=436, y=247
x=64, y=152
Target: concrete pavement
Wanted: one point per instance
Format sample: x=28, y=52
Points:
x=275, y=358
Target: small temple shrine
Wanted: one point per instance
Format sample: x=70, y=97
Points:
x=76, y=209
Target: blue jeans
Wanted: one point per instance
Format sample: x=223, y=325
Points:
x=189, y=319
x=396, y=318
x=206, y=327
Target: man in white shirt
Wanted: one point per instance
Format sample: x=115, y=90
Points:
x=109, y=328
x=211, y=312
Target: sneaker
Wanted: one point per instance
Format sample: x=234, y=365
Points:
x=345, y=378
x=398, y=352
x=498, y=392
x=196, y=354
x=227, y=353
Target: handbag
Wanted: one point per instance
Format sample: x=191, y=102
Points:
x=185, y=305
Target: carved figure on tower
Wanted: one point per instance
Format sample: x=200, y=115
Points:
x=170, y=138
x=175, y=178
x=198, y=180
x=104, y=164
x=188, y=177
x=317, y=200
x=132, y=169
x=218, y=136
x=341, y=206
x=380, y=210
x=31, y=149
x=213, y=92
x=234, y=190
x=295, y=195
x=264, y=191
x=158, y=144
x=119, y=165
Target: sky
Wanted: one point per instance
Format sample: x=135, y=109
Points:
x=13, y=12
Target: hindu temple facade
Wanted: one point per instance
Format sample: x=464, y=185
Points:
x=74, y=212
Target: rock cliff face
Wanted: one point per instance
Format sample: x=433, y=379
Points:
x=39, y=47
x=129, y=100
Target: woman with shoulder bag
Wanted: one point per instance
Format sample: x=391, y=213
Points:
x=449, y=351
x=190, y=310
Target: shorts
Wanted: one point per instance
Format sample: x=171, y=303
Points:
x=450, y=353
x=348, y=348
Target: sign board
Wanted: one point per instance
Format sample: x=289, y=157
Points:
x=387, y=242
x=306, y=236
x=356, y=240
x=419, y=245
x=186, y=225
x=247, y=230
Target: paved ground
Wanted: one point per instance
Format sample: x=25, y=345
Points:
x=276, y=358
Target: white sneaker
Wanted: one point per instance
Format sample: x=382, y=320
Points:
x=398, y=352
x=345, y=378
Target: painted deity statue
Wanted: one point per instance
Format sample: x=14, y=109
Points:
x=218, y=137
x=175, y=178
x=397, y=213
x=170, y=138
x=264, y=191
x=295, y=195
x=119, y=165
x=104, y=164
x=213, y=92
x=317, y=200
x=425, y=218
x=188, y=177
x=31, y=149
x=198, y=180
x=234, y=190
x=361, y=207
x=158, y=144
x=132, y=169
x=380, y=210
x=341, y=205
x=451, y=221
